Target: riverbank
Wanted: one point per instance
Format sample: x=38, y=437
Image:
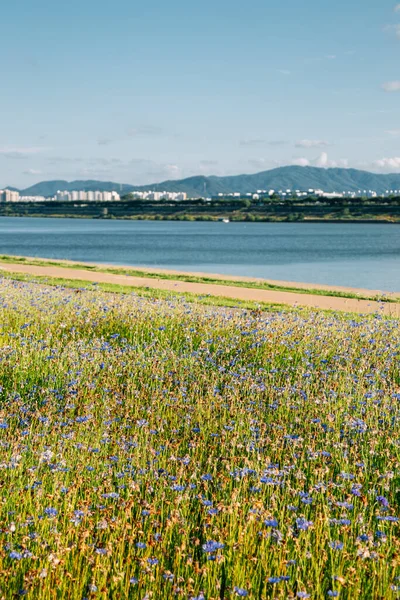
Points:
x=351, y=300
x=247, y=218
x=209, y=278
x=339, y=210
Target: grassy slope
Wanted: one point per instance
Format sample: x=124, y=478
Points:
x=141, y=437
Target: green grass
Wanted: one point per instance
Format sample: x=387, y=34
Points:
x=146, y=292
x=198, y=279
x=142, y=434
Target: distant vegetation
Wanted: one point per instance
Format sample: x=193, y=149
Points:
x=264, y=210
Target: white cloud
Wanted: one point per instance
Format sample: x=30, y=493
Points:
x=393, y=29
x=311, y=144
x=387, y=164
x=284, y=71
x=32, y=172
x=301, y=162
x=397, y=8
x=391, y=86
x=322, y=161
x=393, y=132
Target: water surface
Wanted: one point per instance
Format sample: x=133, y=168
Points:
x=351, y=254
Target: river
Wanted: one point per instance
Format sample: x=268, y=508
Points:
x=351, y=254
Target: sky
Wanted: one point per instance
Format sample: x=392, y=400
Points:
x=140, y=92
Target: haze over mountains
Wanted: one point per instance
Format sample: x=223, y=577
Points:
x=290, y=177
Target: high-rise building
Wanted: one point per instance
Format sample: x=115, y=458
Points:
x=9, y=196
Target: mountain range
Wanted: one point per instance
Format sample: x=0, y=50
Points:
x=290, y=177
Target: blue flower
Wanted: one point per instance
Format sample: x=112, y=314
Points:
x=383, y=501
x=307, y=500
x=240, y=591
x=213, y=511
x=82, y=419
x=271, y=523
x=211, y=546
x=141, y=545
x=336, y=545
x=178, y=488
x=381, y=535
x=340, y=522
x=303, y=524
x=50, y=512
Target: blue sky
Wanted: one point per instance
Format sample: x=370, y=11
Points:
x=141, y=92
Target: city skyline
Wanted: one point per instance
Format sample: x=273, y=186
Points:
x=150, y=93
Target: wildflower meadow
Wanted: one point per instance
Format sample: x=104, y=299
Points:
x=158, y=449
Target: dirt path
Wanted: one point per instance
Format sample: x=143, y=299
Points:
x=240, y=278
x=238, y=293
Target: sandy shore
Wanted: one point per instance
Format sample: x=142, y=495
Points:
x=241, y=278
x=202, y=289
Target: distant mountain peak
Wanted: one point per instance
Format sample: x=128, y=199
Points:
x=288, y=177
